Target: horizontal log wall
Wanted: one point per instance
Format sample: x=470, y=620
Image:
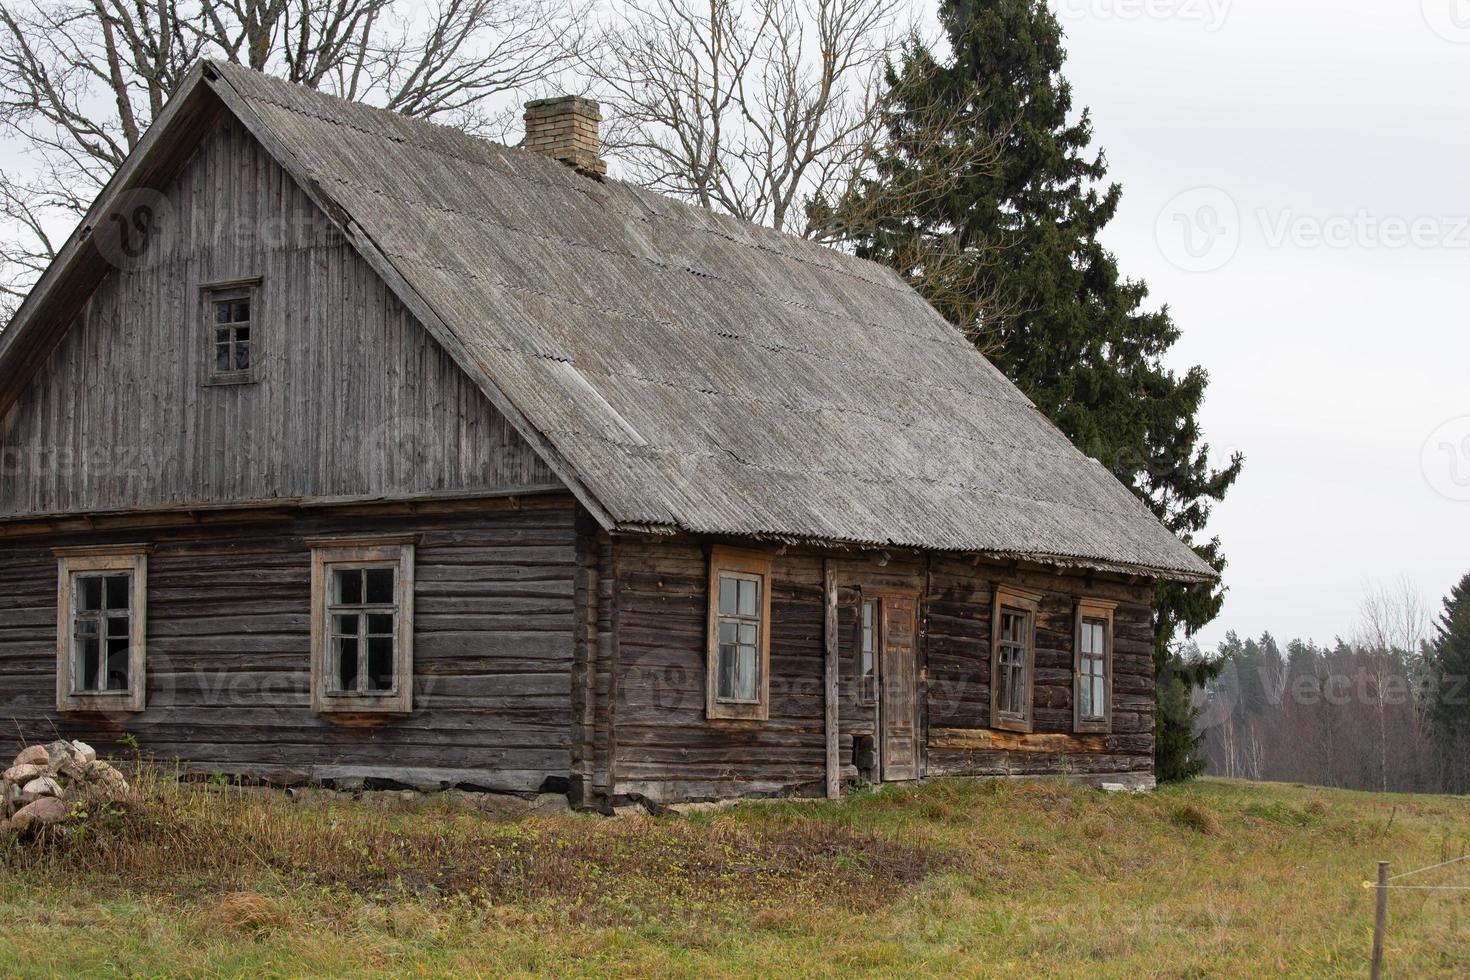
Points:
x=228, y=650
x=663, y=747
x=958, y=608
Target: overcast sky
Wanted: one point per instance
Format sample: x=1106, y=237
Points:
x=1296, y=189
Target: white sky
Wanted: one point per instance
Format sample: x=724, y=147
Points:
x=1332, y=141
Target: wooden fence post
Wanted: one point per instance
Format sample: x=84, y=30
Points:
x=1380, y=920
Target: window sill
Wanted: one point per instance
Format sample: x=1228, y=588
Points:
x=1019, y=726
x=228, y=381
x=100, y=704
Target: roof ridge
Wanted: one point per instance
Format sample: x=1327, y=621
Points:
x=843, y=266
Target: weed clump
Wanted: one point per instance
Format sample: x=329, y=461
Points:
x=1194, y=817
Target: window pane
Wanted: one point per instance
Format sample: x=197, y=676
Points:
x=380, y=625
x=348, y=589
x=241, y=311
x=745, y=674
x=242, y=356
x=222, y=337
x=346, y=663
x=727, y=632
x=380, y=663
x=748, y=592
x=88, y=663
x=117, y=592
x=346, y=626
x=725, y=671
x=867, y=615
x=117, y=626
x=117, y=665
x=747, y=633
x=222, y=358
x=86, y=627
x=728, y=588
x=222, y=313
x=1084, y=701
x=380, y=586
x=1099, y=698
x=242, y=334
x=90, y=593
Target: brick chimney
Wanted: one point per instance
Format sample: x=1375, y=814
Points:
x=566, y=128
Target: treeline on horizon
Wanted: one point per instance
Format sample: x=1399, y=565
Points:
x=1387, y=710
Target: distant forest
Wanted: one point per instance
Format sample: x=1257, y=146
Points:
x=1387, y=710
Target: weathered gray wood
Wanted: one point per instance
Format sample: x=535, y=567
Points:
x=354, y=397
x=831, y=695
x=229, y=680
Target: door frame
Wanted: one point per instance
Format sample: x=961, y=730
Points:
x=881, y=596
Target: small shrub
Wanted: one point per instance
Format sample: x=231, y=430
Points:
x=1197, y=818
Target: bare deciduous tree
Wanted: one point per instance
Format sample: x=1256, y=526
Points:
x=81, y=79
x=752, y=109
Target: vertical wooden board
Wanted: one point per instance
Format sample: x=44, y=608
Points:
x=354, y=397
x=899, y=734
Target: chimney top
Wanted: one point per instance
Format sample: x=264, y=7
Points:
x=566, y=128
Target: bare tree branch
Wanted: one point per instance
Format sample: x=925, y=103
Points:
x=80, y=80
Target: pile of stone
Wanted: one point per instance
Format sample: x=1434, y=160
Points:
x=41, y=787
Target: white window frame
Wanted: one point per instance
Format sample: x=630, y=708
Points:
x=74, y=562
x=1009, y=599
x=328, y=554
x=1093, y=610
x=737, y=563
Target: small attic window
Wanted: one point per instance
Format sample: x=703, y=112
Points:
x=232, y=341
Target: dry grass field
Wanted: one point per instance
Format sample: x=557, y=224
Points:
x=953, y=878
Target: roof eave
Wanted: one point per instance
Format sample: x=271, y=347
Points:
x=1131, y=569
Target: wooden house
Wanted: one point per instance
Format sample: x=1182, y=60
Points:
x=340, y=446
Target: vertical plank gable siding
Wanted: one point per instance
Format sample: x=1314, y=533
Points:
x=355, y=399
x=229, y=651
x=664, y=748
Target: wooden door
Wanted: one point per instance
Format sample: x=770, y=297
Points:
x=898, y=711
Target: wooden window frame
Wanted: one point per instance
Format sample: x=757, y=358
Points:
x=865, y=698
x=735, y=561
x=220, y=292
x=328, y=554
x=1093, y=610
x=71, y=562
x=1009, y=598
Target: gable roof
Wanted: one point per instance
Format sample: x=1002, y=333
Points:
x=680, y=370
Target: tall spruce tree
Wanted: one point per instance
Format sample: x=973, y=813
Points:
x=1449, y=708
x=1008, y=250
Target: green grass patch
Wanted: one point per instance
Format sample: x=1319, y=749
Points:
x=954, y=878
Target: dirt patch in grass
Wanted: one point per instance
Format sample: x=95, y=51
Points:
x=206, y=842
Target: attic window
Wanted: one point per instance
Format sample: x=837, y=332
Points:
x=231, y=312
